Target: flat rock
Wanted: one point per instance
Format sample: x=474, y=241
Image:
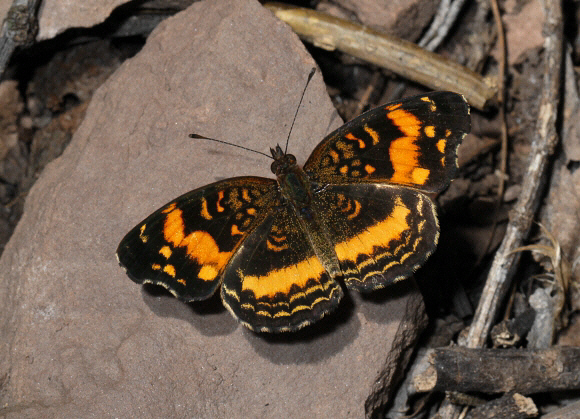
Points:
x=56, y=16
x=79, y=339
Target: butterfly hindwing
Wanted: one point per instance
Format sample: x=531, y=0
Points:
x=412, y=142
x=186, y=245
x=276, y=282
x=380, y=233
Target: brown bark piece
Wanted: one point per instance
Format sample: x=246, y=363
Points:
x=498, y=371
x=560, y=214
x=509, y=406
x=79, y=339
x=523, y=26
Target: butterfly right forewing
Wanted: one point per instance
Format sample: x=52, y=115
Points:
x=410, y=143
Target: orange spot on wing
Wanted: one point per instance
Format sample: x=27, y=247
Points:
x=374, y=135
x=432, y=106
x=404, y=152
x=142, y=234
x=351, y=137
x=441, y=145
x=200, y=245
x=281, y=280
x=182, y=282
x=356, y=212
x=430, y=131
x=343, y=170
x=275, y=246
x=169, y=270
x=420, y=175
x=169, y=208
x=406, y=122
x=334, y=156
x=207, y=273
x=369, y=169
x=165, y=251
x=204, y=212
x=235, y=231
x=218, y=203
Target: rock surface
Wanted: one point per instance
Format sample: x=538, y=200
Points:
x=79, y=339
x=56, y=16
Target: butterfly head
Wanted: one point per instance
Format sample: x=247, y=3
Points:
x=282, y=161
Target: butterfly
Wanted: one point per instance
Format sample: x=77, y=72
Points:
x=356, y=212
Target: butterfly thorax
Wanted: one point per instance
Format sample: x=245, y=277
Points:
x=296, y=191
x=292, y=180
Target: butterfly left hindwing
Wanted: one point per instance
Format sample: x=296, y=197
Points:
x=276, y=282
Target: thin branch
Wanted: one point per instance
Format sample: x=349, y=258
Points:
x=543, y=145
x=501, y=96
x=502, y=117
x=400, y=56
x=442, y=23
x=18, y=29
x=493, y=371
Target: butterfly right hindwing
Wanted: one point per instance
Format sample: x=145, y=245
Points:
x=381, y=233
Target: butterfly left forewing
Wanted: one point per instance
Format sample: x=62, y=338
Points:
x=186, y=245
x=412, y=142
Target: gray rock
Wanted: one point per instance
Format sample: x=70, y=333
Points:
x=79, y=339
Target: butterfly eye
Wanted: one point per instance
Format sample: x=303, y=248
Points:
x=275, y=167
x=291, y=159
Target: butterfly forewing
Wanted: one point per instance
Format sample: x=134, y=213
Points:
x=186, y=245
x=413, y=142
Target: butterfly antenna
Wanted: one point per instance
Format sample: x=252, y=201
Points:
x=201, y=137
x=298, y=108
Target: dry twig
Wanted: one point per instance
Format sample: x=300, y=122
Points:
x=496, y=371
x=502, y=117
x=18, y=29
x=543, y=144
x=442, y=22
x=397, y=55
